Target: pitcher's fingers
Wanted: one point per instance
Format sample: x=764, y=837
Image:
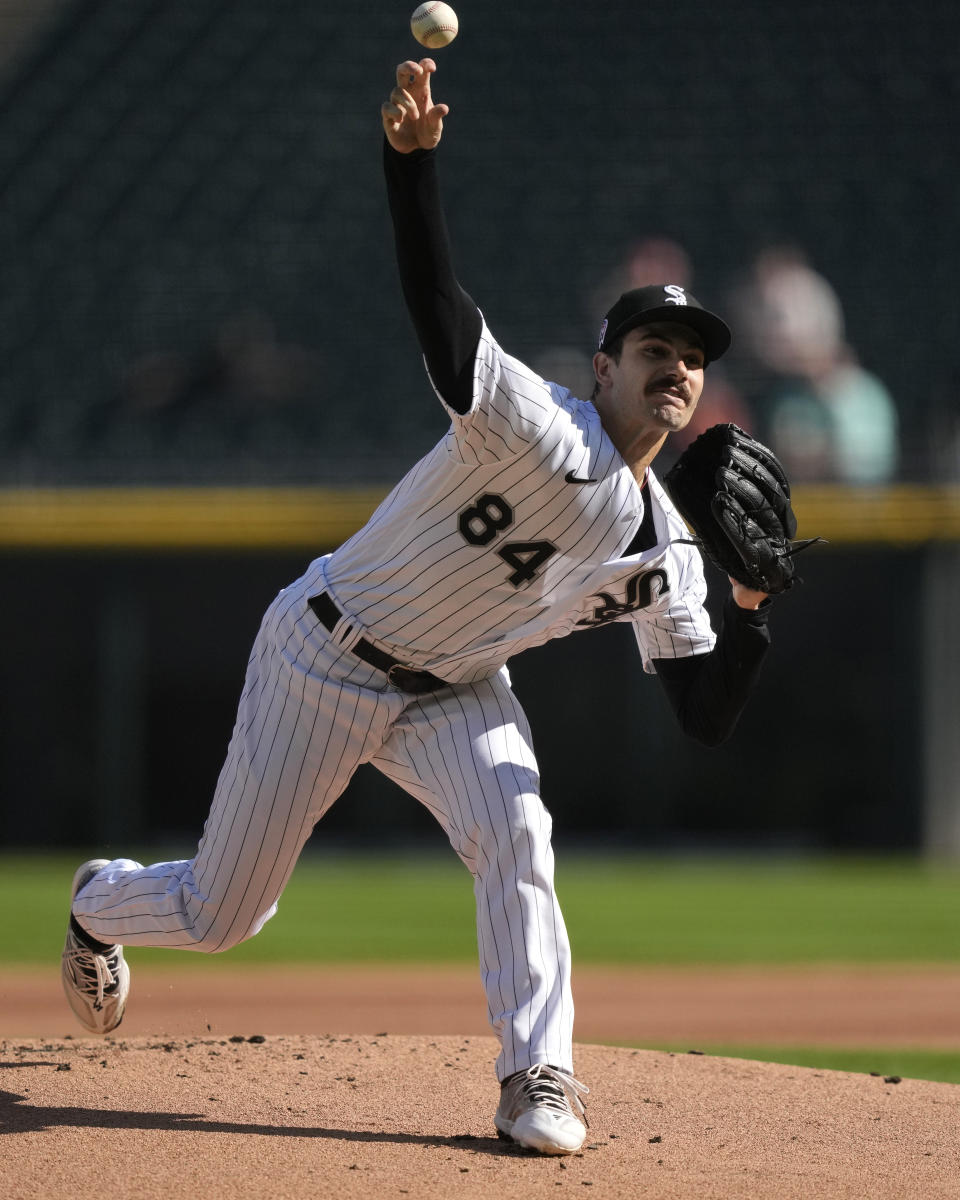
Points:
x=409, y=72
x=436, y=114
x=401, y=99
x=390, y=115
x=422, y=86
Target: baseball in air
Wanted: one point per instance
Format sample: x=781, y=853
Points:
x=434, y=25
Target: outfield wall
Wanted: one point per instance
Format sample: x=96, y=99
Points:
x=128, y=624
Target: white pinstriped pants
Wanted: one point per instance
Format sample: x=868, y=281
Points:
x=311, y=713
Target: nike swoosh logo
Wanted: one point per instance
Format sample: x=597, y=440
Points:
x=573, y=477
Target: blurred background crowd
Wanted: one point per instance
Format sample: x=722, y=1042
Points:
x=197, y=281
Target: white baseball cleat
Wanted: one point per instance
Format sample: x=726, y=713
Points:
x=96, y=982
x=535, y=1110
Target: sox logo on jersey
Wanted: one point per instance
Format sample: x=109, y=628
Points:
x=642, y=589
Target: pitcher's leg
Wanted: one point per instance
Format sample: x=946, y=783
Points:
x=305, y=722
x=465, y=753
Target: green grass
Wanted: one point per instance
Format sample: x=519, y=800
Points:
x=941, y=1066
x=762, y=911
x=623, y=909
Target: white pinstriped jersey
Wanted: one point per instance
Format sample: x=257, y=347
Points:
x=513, y=531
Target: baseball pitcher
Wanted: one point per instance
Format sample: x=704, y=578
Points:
x=536, y=516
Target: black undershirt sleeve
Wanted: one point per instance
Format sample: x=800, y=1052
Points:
x=707, y=692
x=447, y=321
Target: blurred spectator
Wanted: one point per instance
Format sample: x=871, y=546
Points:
x=649, y=260
x=825, y=416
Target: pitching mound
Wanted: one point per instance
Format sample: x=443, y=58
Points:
x=382, y=1116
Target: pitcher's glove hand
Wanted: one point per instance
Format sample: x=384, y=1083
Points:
x=733, y=493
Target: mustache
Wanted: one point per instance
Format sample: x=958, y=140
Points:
x=667, y=382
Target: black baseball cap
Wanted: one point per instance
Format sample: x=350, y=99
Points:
x=664, y=302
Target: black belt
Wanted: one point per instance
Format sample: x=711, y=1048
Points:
x=407, y=679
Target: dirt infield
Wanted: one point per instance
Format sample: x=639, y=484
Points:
x=319, y=1083
x=359, y=1116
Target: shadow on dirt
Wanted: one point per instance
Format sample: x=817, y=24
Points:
x=19, y=1115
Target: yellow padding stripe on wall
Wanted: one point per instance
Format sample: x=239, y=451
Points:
x=320, y=518
x=183, y=518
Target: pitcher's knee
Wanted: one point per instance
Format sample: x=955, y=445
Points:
x=520, y=841
x=527, y=823
x=226, y=931
x=216, y=939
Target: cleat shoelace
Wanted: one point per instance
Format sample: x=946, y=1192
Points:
x=554, y=1089
x=95, y=974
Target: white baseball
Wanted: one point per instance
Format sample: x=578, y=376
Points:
x=434, y=25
